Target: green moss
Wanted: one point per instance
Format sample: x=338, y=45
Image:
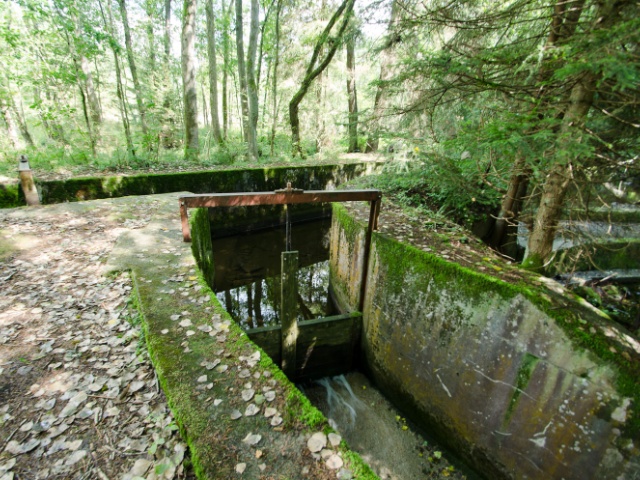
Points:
x=527, y=366
x=9, y=196
x=533, y=263
x=201, y=246
x=401, y=261
x=221, y=181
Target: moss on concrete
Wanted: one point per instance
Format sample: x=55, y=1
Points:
x=406, y=273
x=241, y=180
x=167, y=283
x=9, y=195
x=201, y=243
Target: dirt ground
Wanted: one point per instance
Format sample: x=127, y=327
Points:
x=78, y=395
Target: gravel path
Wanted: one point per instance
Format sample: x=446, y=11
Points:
x=78, y=395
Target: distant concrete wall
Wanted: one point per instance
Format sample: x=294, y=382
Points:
x=495, y=370
x=318, y=177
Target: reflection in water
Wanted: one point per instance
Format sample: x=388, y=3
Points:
x=258, y=304
x=247, y=275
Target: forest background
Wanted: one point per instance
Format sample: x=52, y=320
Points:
x=523, y=110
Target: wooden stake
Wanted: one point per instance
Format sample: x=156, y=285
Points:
x=288, y=308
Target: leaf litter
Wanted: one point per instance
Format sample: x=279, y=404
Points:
x=78, y=395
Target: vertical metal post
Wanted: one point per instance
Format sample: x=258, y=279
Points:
x=184, y=220
x=374, y=211
x=26, y=180
x=288, y=306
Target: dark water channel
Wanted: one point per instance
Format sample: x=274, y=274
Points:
x=247, y=282
x=247, y=275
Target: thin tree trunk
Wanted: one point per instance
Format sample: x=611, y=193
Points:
x=274, y=90
x=190, y=94
x=225, y=70
x=252, y=87
x=132, y=67
x=120, y=92
x=151, y=41
x=12, y=128
x=563, y=24
x=556, y=184
x=168, y=109
x=312, y=71
x=213, y=72
x=22, y=124
x=205, y=112
x=248, y=131
x=353, y=95
x=92, y=97
x=387, y=57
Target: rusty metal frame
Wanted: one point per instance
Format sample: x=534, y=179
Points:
x=288, y=196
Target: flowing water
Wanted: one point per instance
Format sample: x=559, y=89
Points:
x=378, y=432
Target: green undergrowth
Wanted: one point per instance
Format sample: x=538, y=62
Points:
x=574, y=319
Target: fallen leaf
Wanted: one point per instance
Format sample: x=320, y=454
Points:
x=252, y=439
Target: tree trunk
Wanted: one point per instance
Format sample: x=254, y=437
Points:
x=511, y=203
x=275, y=79
x=312, y=71
x=353, y=96
x=247, y=125
x=387, y=57
x=252, y=84
x=22, y=124
x=12, y=128
x=559, y=178
x=120, y=92
x=225, y=71
x=132, y=67
x=213, y=72
x=190, y=94
x=92, y=97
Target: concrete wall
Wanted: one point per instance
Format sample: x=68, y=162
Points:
x=518, y=381
x=239, y=180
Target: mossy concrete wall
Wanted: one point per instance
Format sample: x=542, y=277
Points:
x=518, y=381
x=222, y=181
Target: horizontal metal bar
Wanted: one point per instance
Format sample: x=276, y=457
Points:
x=277, y=198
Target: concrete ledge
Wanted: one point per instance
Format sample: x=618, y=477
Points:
x=204, y=362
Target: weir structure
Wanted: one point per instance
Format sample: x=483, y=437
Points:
x=305, y=349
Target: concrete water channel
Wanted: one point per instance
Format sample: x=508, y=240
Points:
x=247, y=244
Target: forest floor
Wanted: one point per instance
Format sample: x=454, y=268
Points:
x=79, y=398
